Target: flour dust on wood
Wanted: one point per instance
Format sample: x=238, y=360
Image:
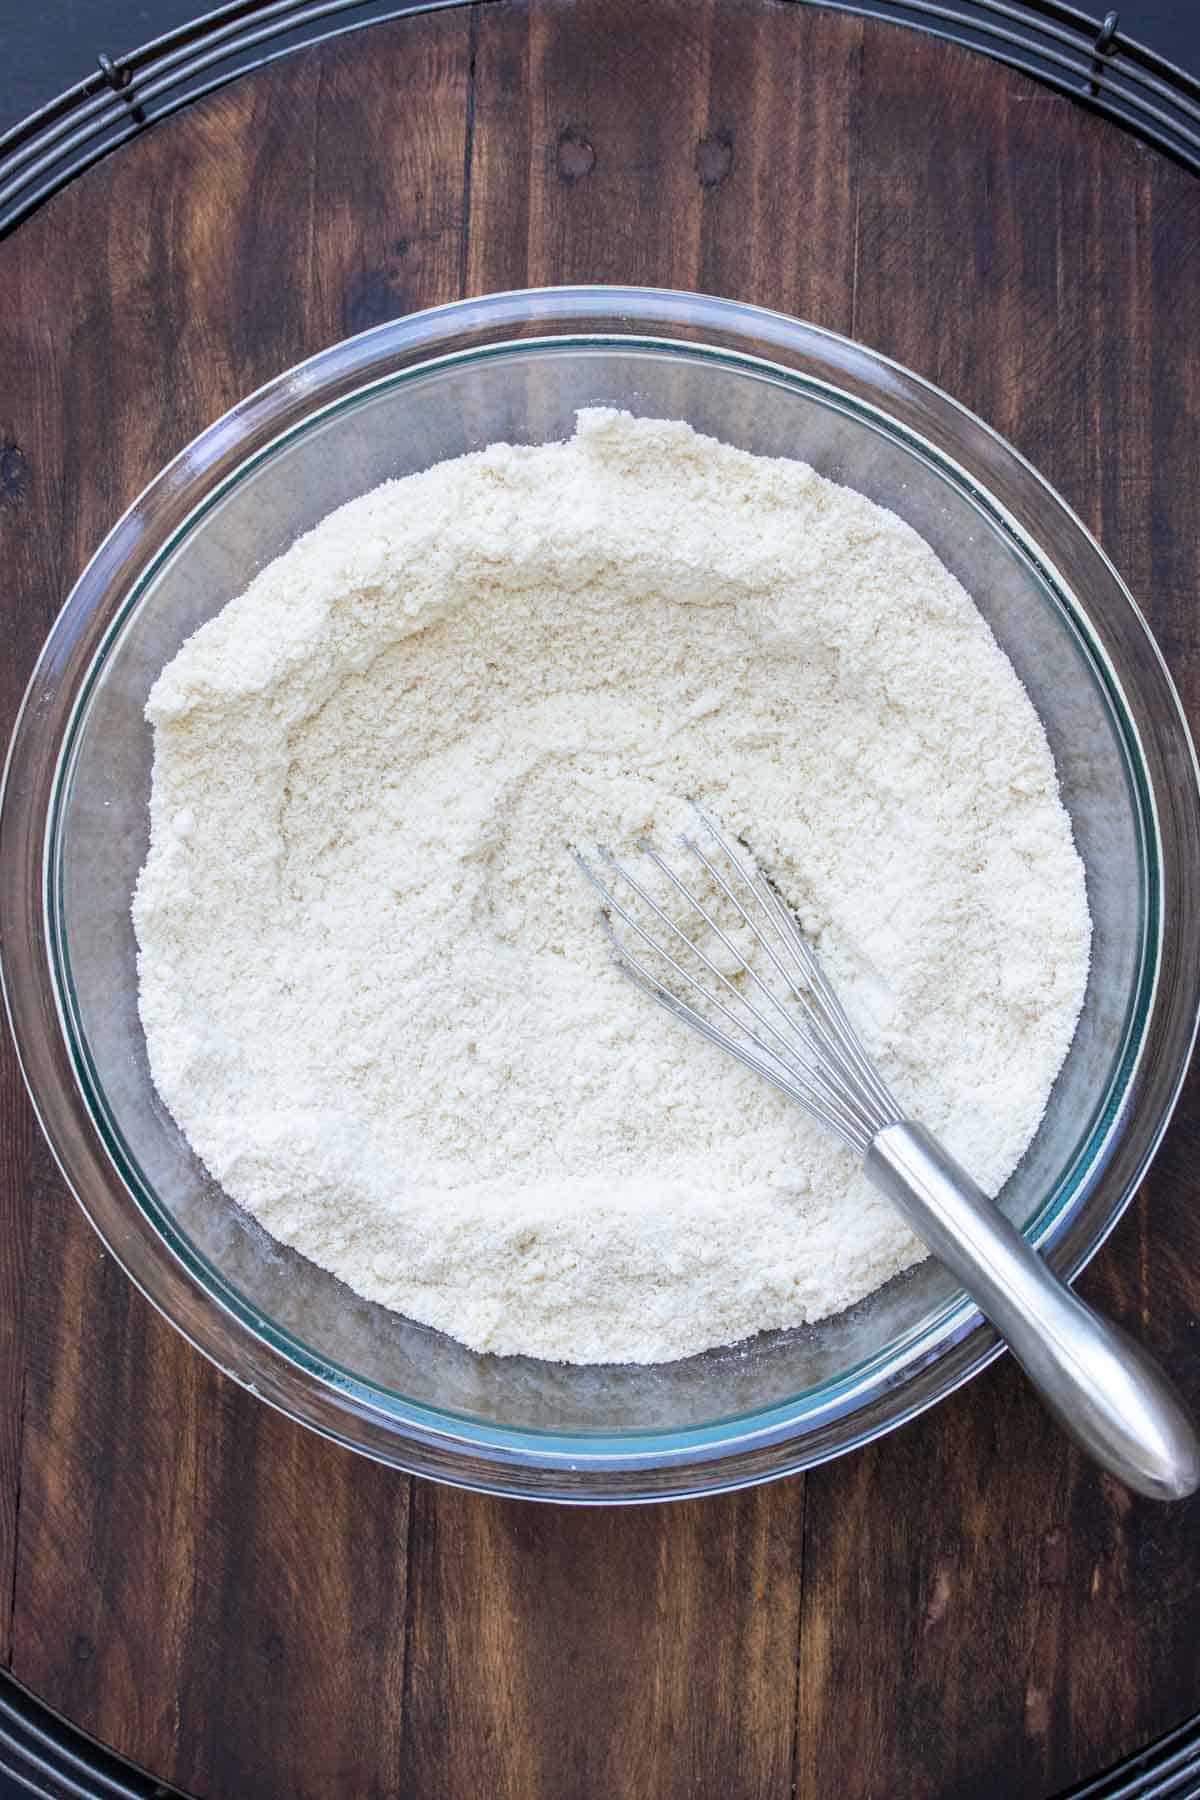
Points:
x=373, y=987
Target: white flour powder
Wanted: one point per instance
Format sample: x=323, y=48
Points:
x=374, y=991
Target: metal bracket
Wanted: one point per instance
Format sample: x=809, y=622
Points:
x=120, y=80
x=1102, y=44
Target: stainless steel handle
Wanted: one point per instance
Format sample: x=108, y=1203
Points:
x=1100, y=1386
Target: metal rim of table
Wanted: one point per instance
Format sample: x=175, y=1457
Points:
x=46, y=1755
x=1090, y=60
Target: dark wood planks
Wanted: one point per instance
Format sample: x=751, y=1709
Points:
x=704, y=144
x=31, y=496
x=965, y=1608
x=175, y=1593
x=586, y=1652
x=1027, y=267
x=187, y=1560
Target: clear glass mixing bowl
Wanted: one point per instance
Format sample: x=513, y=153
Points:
x=73, y=832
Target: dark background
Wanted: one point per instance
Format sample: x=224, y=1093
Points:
x=44, y=49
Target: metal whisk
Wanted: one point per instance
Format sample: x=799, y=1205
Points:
x=724, y=952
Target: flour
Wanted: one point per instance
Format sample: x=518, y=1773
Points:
x=375, y=995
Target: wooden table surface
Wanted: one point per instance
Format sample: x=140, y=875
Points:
x=254, y=1614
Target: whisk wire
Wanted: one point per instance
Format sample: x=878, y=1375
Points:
x=828, y=1115
x=862, y=1096
x=795, y=1050
x=791, y=1053
x=847, y=1038
x=637, y=973
x=815, y=1057
x=844, y=1039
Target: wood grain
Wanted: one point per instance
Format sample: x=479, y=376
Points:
x=965, y=1608
x=668, y=187
x=172, y=1591
x=593, y=1652
x=1069, y=264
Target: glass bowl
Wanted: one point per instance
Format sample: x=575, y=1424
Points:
x=73, y=834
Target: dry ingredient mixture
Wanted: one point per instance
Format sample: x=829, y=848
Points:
x=374, y=991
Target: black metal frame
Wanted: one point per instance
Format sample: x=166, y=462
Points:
x=1090, y=60
x=44, y=1754
x=1168, y=1769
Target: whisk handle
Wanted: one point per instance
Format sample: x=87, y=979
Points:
x=1101, y=1387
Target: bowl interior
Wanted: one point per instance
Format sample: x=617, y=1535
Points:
x=529, y=392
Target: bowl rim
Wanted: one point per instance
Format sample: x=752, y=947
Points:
x=933, y=1359
x=836, y=1394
